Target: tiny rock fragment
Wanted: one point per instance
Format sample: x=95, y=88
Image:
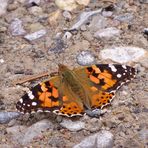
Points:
x=37, y=2
x=145, y=31
x=83, y=18
x=107, y=13
x=123, y=54
x=98, y=22
x=58, y=46
x=108, y=33
x=36, y=11
x=3, y=6
x=67, y=15
x=127, y=17
x=53, y=17
x=85, y=58
x=67, y=36
x=68, y=5
x=16, y=27
x=1, y=60
x=83, y=2
x=144, y=1
x=35, y=35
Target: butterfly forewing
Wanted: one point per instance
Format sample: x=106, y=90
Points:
x=42, y=97
x=110, y=76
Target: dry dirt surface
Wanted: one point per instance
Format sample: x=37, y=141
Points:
x=59, y=41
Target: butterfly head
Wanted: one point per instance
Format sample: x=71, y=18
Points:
x=66, y=74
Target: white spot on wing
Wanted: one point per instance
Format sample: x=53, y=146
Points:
x=21, y=100
x=119, y=75
x=39, y=111
x=34, y=103
x=124, y=66
x=30, y=95
x=113, y=68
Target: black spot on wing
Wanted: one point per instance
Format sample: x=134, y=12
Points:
x=90, y=69
x=95, y=74
x=35, y=90
x=102, y=82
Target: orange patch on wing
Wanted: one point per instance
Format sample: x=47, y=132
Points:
x=106, y=86
x=99, y=100
x=93, y=88
x=43, y=87
x=42, y=96
x=97, y=70
x=55, y=103
x=94, y=79
x=55, y=92
x=71, y=108
x=46, y=101
x=65, y=98
x=105, y=74
x=109, y=82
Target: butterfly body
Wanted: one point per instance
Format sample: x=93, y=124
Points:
x=74, y=91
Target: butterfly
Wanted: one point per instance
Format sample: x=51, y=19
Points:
x=72, y=92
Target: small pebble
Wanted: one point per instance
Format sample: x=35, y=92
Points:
x=84, y=16
x=144, y=1
x=3, y=6
x=83, y=2
x=107, y=13
x=72, y=125
x=58, y=46
x=67, y=15
x=108, y=33
x=102, y=139
x=24, y=135
x=145, y=31
x=16, y=27
x=35, y=35
x=1, y=60
x=36, y=11
x=68, y=5
x=5, y=117
x=67, y=36
x=127, y=17
x=37, y=2
x=85, y=58
x=123, y=54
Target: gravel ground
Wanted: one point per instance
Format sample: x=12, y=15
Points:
x=59, y=41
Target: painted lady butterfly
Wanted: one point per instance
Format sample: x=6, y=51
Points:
x=73, y=92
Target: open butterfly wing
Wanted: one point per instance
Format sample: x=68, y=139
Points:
x=103, y=81
x=46, y=97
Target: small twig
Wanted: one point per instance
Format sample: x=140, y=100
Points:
x=111, y=1
x=30, y=78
